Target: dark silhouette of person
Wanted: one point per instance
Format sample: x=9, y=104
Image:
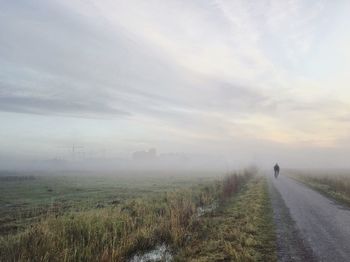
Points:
x=276, y=168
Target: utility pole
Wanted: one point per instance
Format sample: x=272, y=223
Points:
x=75, y=150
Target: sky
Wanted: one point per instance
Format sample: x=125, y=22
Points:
x=249, y=81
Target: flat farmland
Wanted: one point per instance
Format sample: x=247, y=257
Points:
x=26, y=198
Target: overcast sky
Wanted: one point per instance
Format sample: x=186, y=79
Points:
x=254, y=81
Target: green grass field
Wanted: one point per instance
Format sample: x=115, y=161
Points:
x=24, y=201
x=115, y=218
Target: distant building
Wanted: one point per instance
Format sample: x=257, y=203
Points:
x=174, y=157
x=151, y=154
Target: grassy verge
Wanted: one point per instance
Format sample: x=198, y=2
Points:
x=115, y=234
x=240, y=230
x=334, y=186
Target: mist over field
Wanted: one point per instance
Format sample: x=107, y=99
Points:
x=174, y=130
x=208, y=84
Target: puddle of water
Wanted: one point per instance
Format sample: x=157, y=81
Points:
x=159, y=253
x=206, y=209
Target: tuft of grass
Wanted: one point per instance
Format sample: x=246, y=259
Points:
x=334, y=186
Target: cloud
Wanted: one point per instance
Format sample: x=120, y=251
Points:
x=206, y=71
x=52, y=106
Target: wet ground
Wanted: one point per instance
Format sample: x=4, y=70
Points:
x=159, y=253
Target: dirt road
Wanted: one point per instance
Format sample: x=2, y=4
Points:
x=322, y=227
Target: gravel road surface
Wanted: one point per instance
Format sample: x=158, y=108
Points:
x=320, y=224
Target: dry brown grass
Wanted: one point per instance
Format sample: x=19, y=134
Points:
x=240, y=230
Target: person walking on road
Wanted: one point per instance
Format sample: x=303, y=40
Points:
x=276, y=168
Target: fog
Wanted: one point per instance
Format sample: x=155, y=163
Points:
x=209, y=85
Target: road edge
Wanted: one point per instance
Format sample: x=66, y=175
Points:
x=291, y=246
